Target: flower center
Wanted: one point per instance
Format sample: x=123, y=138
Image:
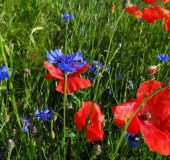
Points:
x=145, y=116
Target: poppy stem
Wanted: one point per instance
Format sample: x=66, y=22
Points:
x=64, y=117
x=134, y=113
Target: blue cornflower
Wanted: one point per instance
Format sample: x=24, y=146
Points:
x=3, y=72
x=132, y=139
x=66, y=63
x=66, y=16
x=53, y=56
x=119, y=76
x=25, y=124
x=95, y=67
x=162, y=57
x=45, y=115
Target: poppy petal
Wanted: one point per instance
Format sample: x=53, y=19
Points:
x=123, y=112
x=48, y=76
x=156, y=140
x=93, y=134
x=79, y=71
x=151, y=14
x=133, y=11
x=79, y=119
x=159, y=102
x=73, y=84
x=54, y=71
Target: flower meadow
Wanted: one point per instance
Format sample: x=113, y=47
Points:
x=85, y=80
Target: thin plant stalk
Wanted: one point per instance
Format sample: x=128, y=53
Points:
x=64, y=116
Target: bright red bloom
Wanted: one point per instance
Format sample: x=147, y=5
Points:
x=133, y=11
x=74, y=82
x=152, y=13
x=94, y=127
x=153, y=119
x=149, y=1
x=166, y=23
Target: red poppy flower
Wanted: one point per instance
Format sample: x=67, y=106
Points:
x=133, y=11
x=149, y=1
x=166, y=24
x=74, y=82
x=153, y=120
x=152, y=13
x=94, y=127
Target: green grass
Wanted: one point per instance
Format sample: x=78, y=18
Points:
x=29, y=29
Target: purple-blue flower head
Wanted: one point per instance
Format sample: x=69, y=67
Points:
x=66, y=16
x=162, y=57
x=45, y=115
x=25, y=124
x=54, y=56
x=96, y=67
x=3, y=72
x=132, y=139
x=119, y=76
x=66, y=63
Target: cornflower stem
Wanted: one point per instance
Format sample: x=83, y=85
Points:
x=64, y=116
x=108, y=60
x=134, y=113
x=11, y=89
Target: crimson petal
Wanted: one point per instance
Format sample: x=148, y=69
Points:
x=156, y=140
x=123, y=112
x=54, y=71
x=73, y=84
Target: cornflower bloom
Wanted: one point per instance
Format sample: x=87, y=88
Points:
x=25, y=124
x=66, y=63
x=3, y=72
x=45, y=115
x=132, y=139
x=66, y=16
x=119, y=76
x=97, y=68
x=162, y=57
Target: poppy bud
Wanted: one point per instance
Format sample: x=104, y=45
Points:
x=6, y=118
x=96, y=150
x=11, y=144
x=54, y=117
x=152, y=70
x=13, y=131
x=52, y=134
